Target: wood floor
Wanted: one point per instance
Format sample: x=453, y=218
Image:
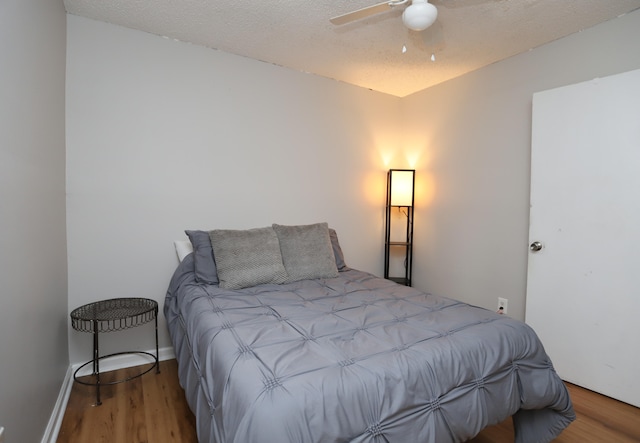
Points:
x=152, y=409
x=599, y=419
x=148, y=409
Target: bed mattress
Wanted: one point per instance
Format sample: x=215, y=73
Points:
x=356, y=359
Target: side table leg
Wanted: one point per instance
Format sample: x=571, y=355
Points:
x=157, y=353
x=96, y=361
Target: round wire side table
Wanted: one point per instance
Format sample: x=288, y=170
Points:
x=108, y=316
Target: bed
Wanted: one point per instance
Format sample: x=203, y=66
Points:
x=344, y=356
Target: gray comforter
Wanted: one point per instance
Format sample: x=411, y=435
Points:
x=355, y=359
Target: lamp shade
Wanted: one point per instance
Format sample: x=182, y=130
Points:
x=401, y=183
x=419, y=15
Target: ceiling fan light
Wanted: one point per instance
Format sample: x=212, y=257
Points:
x=419, y=15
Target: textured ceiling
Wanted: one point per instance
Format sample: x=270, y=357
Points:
x=297, y=34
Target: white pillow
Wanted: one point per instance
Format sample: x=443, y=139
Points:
x=183, y=248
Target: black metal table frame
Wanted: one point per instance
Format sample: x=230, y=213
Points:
x=124, y=322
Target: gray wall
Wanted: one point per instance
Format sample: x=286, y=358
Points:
x=154, y=175
x=33, y=262
x=164, y=136
x=472, y=232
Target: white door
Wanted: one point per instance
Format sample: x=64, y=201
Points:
x=583, y=288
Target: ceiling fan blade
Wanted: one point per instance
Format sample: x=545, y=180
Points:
x=362, y=13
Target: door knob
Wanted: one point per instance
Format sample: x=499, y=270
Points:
x=535, y=246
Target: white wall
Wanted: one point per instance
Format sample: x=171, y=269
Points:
x=33, y=266
x=164, y=136
x=471, y=231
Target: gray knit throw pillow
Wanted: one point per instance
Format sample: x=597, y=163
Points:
x=306, y=251
x=247, y=257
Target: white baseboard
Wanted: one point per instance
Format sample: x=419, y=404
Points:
x=110, y=364
x=53, y=427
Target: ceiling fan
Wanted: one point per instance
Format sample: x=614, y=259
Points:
x=418, y=16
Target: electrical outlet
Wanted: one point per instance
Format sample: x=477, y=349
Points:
x=502, y=305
